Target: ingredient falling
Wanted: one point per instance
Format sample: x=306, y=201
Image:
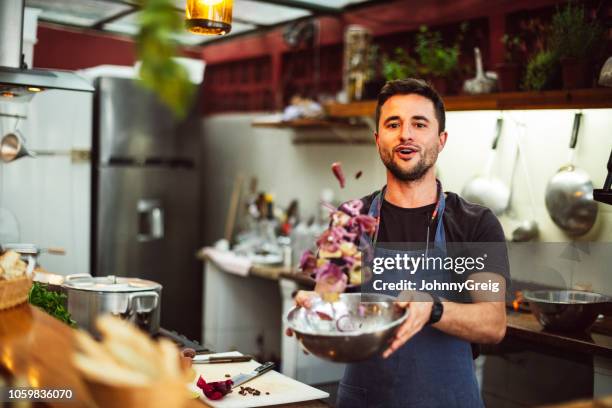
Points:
x=359, y=173
x=337, y=169
x=337, y=262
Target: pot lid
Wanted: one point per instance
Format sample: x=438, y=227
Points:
x=110, y=283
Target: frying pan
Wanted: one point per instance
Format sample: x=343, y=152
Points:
x=569, y=194
x=485, y=189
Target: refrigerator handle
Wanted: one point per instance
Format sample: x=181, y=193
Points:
x=150, y=220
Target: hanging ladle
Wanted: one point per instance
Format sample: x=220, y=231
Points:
x=527, y=229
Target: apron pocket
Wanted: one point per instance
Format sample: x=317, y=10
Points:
x=350, y=396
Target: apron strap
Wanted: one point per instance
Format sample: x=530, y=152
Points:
x=375, y=209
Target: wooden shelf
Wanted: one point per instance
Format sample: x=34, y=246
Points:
x=306, y=124
x=574, y=99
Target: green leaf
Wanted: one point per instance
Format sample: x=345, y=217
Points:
x=51, y=302
x=156, y=48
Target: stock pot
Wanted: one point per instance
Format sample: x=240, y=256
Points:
x=133, y=299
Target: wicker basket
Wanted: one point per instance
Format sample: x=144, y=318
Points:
x=14, y=291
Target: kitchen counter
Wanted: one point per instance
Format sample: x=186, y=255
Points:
x=37, y=347
x=526, y=327
x=271, y=272
x=598, y=403
x=520, y=325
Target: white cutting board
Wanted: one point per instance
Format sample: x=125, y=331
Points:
x=282, y=389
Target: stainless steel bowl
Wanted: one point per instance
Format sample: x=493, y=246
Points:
x=355, y=328
x=567, y=310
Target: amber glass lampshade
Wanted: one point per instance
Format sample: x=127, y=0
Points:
x=211, y=17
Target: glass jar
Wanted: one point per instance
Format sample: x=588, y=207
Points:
x=357, y=42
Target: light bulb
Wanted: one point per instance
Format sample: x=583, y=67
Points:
x=209, y=17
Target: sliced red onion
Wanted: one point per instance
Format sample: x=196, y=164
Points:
x=337, y=169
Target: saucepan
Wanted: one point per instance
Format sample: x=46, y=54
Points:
x=132, y=299
x=486, y=189
x=569, y=194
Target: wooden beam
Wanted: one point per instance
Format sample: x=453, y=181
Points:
x=99, y=25
x=313, y=8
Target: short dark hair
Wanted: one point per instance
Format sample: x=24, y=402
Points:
x=412, y=86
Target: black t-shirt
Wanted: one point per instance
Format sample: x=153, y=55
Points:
x=463, y=222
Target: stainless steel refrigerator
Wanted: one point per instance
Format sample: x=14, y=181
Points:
x=145, y=198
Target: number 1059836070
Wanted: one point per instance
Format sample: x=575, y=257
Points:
x=34, y=394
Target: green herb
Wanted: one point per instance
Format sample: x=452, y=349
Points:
x=156, y=45
x=572, y=36
x=435, y=58
x=400, y=66
x=51, y=302
x=541, y=70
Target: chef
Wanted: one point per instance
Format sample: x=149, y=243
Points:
x=429, y=362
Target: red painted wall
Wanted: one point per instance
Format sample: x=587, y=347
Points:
x=66, y=48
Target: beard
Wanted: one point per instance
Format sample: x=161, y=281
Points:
x=424, y=163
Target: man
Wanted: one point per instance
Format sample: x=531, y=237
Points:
x=429, y=362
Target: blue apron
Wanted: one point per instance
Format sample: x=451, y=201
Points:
x=432, y=369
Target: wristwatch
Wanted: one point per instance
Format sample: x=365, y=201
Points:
x=436, y=310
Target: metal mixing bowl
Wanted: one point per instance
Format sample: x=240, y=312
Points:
x=355, y=328
x=567, y=310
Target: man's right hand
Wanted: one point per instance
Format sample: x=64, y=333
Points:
x=304, y=299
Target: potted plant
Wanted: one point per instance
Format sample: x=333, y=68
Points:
x=437, y=61
x=542, y=69
x=400, y=66
x=576, y=41
x=509, y=71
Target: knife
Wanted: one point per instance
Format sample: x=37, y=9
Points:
x=243, y=378
x=227, y=359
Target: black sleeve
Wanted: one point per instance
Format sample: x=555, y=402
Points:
x=489, y=238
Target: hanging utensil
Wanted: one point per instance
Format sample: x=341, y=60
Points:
x=605, y=76
x=12, y=147
x=527, y=229
x=524, y=230
x=604, y=195
x=510, y=210
x=569, y=194
x=485, y=189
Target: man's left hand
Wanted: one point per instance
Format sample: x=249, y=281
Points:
x=419, y=306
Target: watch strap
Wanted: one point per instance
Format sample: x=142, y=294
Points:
x=436, y=310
